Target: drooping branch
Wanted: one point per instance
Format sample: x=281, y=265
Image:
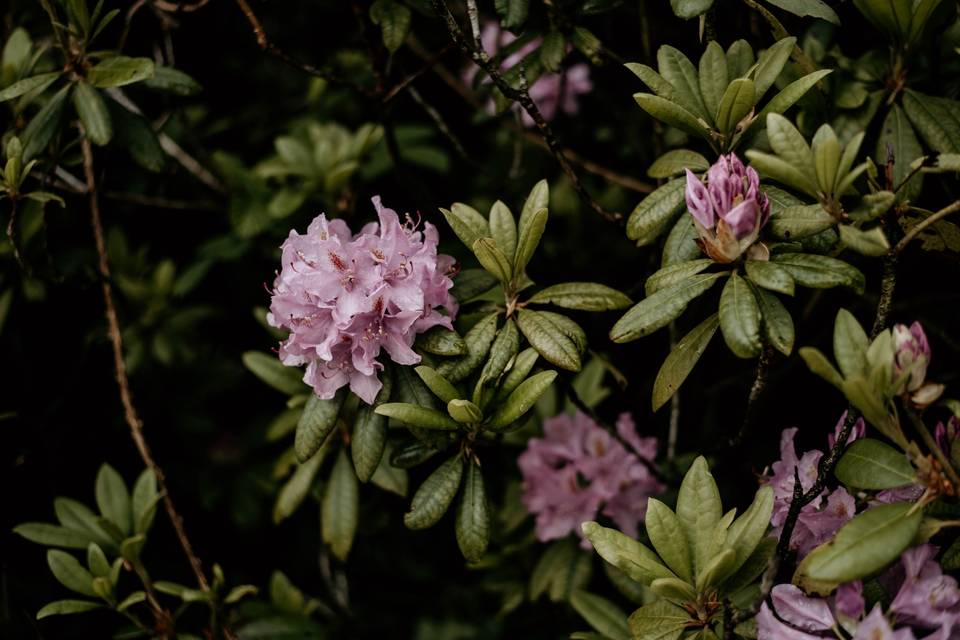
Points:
x=522, y=97
x=923, y=224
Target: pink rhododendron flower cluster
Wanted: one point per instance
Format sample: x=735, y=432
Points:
x=729, y=210
x=926, y=605
x=820, y=519
x=343, y=297
x=578, y=469
x=551, y=92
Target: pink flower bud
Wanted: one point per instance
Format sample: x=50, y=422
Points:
x=911, y=354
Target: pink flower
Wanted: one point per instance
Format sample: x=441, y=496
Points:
x=551, y=92
x=729, y=210
x=579, y=469
x=876, y=627
x=794, y=616
x=343, y=297
x=927, y=598
x=912, y=354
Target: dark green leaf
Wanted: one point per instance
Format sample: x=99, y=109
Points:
x=434, y=496
x=659, y=309
x=473, y=518
x=119, y=71
x=318, y=419
x=269, y=369
x=549, y=339
x=339, y=508
x=681, y=360
x=93, y=113
x=585, y=296
x=872, y=464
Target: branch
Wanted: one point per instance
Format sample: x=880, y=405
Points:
x=522, y=97
x=120, y=367
x=269, y=47
x=923, y=224
x=759, y=384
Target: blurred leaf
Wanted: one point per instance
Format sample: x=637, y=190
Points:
x=339, y=509
x=93, y=113
x=513, y=13
x=687, y=9
x=521, y=400
x=119, y=71
x=297, y=487
x=601, y=614
x=64, y=607
x=113, y=499
x=812, y=8
x=36, y=83
x=172, y=81
x=270, y=370
x=70, y=573
x=52, y=535
x=44, y=125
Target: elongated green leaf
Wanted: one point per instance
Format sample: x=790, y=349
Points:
x=143, y=501
x=789, y=144
x=654, y=81
x=740, y=318
x=770, y=276
x=681, y=244
x=297, y=487
x=820, y=272
x=70, y=573
x=34, y=83
x=681, y=360
x=626, y=554
x=466, y=222
x=850, y=344
x=549, y=340
x=782, y=171
x=478, y=341
x=517, y=372
x=530, y=230
x=869, y=243
x=502, y=351
x=389, y=477
x=713, y=76
x=439, y=385
x=464, y=411
x=674, y=273
x=473, y=516
x=687, y=9
x=393, y=19
x=538, y=198
x=737, y=102
x=417, y=416
x=937, y=120
x=748, y=530
x=601, y=614
x=134, y=133
x=64, y=607
x=513, y=13
x=119, y=71
x=521, y=400
x=503, y=228
x=699, y=510
x=44, y=125
x=441, y=341
x=652, y=215
x=52, y=535
x=770, y=65
x=339, y=509
x=863, y=546
x=172, y=81
x=788, y=96
x=493, y=259
x=668, y=538
x=318, y=419
x=113, y=499
x=739, y=59
x=676, y=162
x=670, y=113
x=658, y=310
x=369, y=437
x=434, y=496
x=93, y=113
x=818, y=363
x=659, y=620
x=270, y=370
x=585, y=296
x=872, y=464
x=77, y=516
x=800, y=221
x=826, y=157
x=677, y=69
x=674, y=589
x=777, y=322
x=812, y=8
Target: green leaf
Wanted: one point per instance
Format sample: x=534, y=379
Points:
x=119, y=71
x=789, y=145
x=746, y=532
x=674, y=273
x=770, y=276
x=864, y=545
x=740, y=318
x=502, y=351
x=503, y=228
x=771, y=63
x=93, y=113
x=77, y=516
x=270, y=370
x=626, y=554
x=658, y=310
x=172, y=81
x=677, y=161
x=478, y=341
x=549, y=339
x=737, y=102
x=517, y=372
x=869, y=243
x=789, y=96
x=713, y=77
x=473, y=517
x=298, y=486
x=492, y=259
x=132, y=132
x=441, y=341
x=826, y=157
x=800, y=221
x=434, y=496
x=143, y=502
x=318, y=419
x=850, y=344
x=681, y=244
x=70, y=573
x=777, y=322
x=716, y=570
x=699, y=510
x=674, y=589
x=417, y=416
x=369, y=437
x=812, y=8
x=820, y=272
x=469, y=284
x=935, y=119
x=394, y=21
x=338, y=518
x=64, y=607
x=37, y=83
x=677, y=69
x=521, y=400
x=388, y=477
x=113, y=499
x=52, y=535
x=585, y=296
x=659, y=620
x=782, y=171
x=668, y=538
x=513, y=13
x=818, y=363
x=601, y=614
x=531, y=230
x=671, y=113
x=652, y=215
x=439, y=385
x=44, y=125
x=681, y=360
x=553, y=51
x=464, y=411
x=897, y=135
x=739, y=59
x=466, y=222
x=872, y=464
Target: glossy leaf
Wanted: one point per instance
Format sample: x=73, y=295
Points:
x=740, y=318
x=521, y=400
x=119, y=71
x=626, y=554
x=434, y=496
x=699, y=510
x=549, y=339
x=318, y=419
x=472, y=525
x=417, y=416
x=681, y=360
x=584, y=296
x=658, y=310
x=651, y=216
x=872, y=464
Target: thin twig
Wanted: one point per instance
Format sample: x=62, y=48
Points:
x=427, y=65
x=269, y=47
x=522, y=97
x=759, y=384
x=120, y=367
x=923, y=224
x=674, y=426
x=441, y=124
